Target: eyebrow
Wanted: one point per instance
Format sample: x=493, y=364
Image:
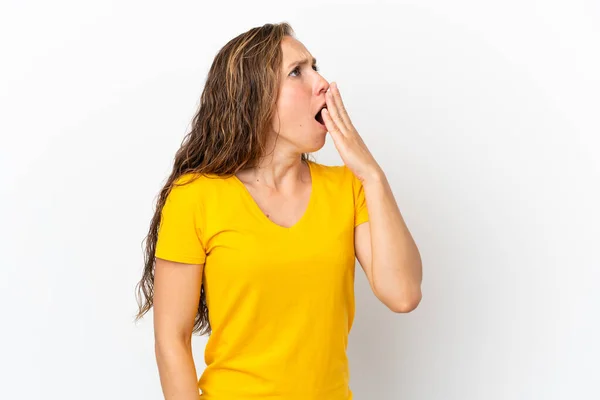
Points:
x=302, y=62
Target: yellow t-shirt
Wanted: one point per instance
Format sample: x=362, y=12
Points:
x=280, y=300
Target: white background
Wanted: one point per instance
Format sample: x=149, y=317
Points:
x=484, y=116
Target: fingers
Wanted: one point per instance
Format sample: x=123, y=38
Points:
x=339, y=114
x=332, y=127
x=333, y=109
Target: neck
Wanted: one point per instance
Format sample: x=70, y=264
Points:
x=277, y=172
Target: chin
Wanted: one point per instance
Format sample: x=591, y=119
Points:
x=317, y=143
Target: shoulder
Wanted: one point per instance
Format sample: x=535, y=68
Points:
x=204, y=189
x=335, y=174
x=194, y=182
x=191, y=187
x=340, y=180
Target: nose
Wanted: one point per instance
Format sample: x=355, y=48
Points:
x=321, y=86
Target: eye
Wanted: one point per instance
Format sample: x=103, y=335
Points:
x=297, y=69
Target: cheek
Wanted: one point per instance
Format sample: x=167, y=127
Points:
x=293, y=105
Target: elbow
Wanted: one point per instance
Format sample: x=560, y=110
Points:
x=167, y=351
x=166, y=342
x=403, y=308
x=403, y=305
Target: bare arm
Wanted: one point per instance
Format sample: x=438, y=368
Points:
x=176, y=299
x=384, y=246
x=386, y=250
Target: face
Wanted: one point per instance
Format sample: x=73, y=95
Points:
x=301, y=96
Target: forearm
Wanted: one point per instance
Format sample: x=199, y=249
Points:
x=396, y=262
x=177, y=370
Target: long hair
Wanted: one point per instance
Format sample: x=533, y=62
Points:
x=228, y=132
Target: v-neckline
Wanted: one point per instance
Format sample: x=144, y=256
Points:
x=266, y=219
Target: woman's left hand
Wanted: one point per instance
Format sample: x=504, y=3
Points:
x=348, y=142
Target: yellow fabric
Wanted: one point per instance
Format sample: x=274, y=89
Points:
x=281, y=300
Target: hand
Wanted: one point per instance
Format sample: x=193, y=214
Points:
x=348, y=142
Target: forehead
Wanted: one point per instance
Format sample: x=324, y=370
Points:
x=293, y=50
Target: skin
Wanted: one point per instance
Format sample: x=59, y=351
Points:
x=281, y=186
x=384, y=246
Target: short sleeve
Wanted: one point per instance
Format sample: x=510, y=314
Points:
x=179, y=233
x=361, y=214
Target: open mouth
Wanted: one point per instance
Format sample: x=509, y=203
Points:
x=319, y=116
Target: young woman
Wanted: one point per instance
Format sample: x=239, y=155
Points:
x=255, y=244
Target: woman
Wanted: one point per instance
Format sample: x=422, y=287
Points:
x=255, y=244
